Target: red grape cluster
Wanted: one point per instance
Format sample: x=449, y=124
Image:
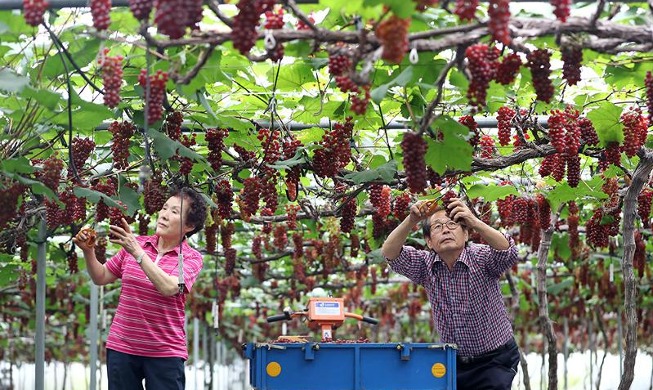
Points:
x=635, y=131
x=186, y=163
x=544, y=211
x=539, y=62
x=644, y=206
x=573, y=170
x=597, y=235
x=508, y=69
x=587, y=132
x=10, y=192
x=243, y=31
x=108, y=188
x=414, y=148
x=225, y=198
x=249, y=197
x=401, y=205
x=72, y=260
x=50, y=174
x=482, y=65
x=348, y=216
x=172, y=17
x=504, y=119
x=648, y=82
x=335, y=150
x=487, y=146
x=504, y=207
x=303, y=26
x=81, y=150
x=122, y=133
x=610, y=155
x=215, y=143
x=422, y=5
x=393, y=36
x=154, y=195
x=380, y=199
x=172, y=125
x=100, y=13
x=157, y=84
x=271, y=145
x=572, y=58
x=561, y=9
x=470, y=123
x=274, y=20
x=33, y=11
x=280, y=234
x=141, y=8
x=144, y=224
x=226, y=234
x=111, y=78
x=229, y=260
x=465, y=9
x=360, y=101
x=339, y=64
x=498, y=20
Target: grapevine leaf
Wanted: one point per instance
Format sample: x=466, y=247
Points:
x=454, y=152
x=606, y=120
x=491, y=192
x=129, y=198
x=8, y=270
x=558, y=288
x=385, y=173
x=95, y=196
x=12, y=82
x=402, y=8
x=402, y=79
x=87, y=52
x=48, y=99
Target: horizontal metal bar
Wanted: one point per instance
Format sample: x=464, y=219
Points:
x=57, y=4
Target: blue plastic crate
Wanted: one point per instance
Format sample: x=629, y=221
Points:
x=351, y=366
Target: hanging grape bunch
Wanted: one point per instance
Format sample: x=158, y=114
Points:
x=111, y=77
x=33, y=11
x=414, y=149
x=154, y=88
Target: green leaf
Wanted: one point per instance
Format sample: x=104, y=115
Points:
x=402, y=80
x=12, y=82
x=86, y=53
x=95, y=196
x=385, y=173
x=558, y=288
x=297, y=159
x=490, y=192
x=454, y=152
x=8, y=270
x=401, y=8
x=607, y=122
x=17, y=165
x=129, y=198
x=164, y=146
x=48, y=99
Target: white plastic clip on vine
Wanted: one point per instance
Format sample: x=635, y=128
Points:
x=412, y=57
x=269, y=40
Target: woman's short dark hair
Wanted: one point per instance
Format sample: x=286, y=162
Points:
x=197, y=212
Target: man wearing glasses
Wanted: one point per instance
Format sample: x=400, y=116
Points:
x=462, y=284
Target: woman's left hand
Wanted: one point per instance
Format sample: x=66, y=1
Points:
x=123, y=236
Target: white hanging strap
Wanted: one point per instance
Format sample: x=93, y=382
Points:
x=181, y=283
x=413, y=57
x=269, y=40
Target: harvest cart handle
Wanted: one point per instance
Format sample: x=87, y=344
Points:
x=359, y=317
x=287, y=314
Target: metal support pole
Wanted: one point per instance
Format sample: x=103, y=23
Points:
x=39, y=358
x=93, y=335
x=57, y=4
x=565, y=349
x=196, y=348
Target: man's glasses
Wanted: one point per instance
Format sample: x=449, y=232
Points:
x=437, y=227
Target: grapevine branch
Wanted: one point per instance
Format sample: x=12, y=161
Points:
x=639, y=179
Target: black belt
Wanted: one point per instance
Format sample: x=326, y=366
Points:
x=487, y=355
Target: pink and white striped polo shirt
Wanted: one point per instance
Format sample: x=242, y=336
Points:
x=147, y=323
